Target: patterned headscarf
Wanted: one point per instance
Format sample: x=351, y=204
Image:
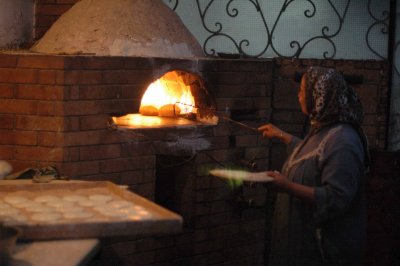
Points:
x=330, y=100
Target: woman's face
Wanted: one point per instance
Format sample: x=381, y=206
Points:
x=302, y=95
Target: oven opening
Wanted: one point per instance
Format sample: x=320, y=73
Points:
x=176, y=98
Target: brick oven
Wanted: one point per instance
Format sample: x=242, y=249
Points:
x=58, y=110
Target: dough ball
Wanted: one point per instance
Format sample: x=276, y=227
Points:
x=169, y=110
x=148, y=110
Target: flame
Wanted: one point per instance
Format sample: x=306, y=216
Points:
x=169, y=89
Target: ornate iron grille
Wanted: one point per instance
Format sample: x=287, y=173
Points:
x=216, y=28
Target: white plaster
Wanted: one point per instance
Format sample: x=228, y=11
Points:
x=157, y=47
x=120, y=28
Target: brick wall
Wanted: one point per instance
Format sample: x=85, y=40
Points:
x=47, y=12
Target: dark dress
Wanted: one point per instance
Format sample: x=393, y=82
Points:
x=331, y=231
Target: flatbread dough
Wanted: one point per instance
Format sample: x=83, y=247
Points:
x=72, y=209
x=100, y=197
x=59, y=204
x=242, y=175
x=78, y=215
x=112, y=213
x=118, y=204
x=46, y=217
x=46, y=198
x=8, y=212
x=14, y=219
x=41, y=209
x=15, y=199
x=90, y=203
x=28, y=204
x=4, y=205
x=75, y=198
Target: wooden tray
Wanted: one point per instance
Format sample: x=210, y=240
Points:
x=161, y=220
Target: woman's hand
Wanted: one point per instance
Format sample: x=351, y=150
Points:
x=271, y=131
x=282, y=184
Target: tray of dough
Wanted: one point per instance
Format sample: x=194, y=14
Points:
x=80, y=209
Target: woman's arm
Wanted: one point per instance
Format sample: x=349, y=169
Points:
x=271, y=131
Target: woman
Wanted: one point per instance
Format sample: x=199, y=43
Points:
x=320, y=214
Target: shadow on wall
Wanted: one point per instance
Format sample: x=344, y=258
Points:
x=16, y=23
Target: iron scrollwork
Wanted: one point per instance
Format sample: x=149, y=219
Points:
x=378, y=22
x=218, y=30
x=173, y=4
x=396, y=49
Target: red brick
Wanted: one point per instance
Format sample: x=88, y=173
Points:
x=22, y=165
x=7, y=152
x=80, y=138
x=82, y=77
x=47, y=77
x=43, y=123
x=135, y=148
x=40, y=92
x=8, y=60
x=83, y=107
x=45, y=21
x=100, y=152
x=67, y=1
x=10, y=75
x=46, y=108
x=127, y=164
x=40, y=31
x=72, y=92
x=246, y=141
x=121, y=106
x=6, y=121
x=47, y=139
x=18, y=137
x=93, y=62
x=35, y=153
x=45, y=1
x=76, y=169
x=58, y=108
x=114, y=178
x=51, y=9
x=71, y=154
x=41, y=61
x=94, y=122
x=72, y=123
x=7, y=90
x=132, y=91
x=18, y=107
x=127, y=77
x=132, y=177
x=60, y=77
x=99, y=92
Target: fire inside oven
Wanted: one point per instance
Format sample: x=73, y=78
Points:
x=176, y=98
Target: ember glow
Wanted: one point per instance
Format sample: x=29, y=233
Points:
x=168, y=91
x=169, y=101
